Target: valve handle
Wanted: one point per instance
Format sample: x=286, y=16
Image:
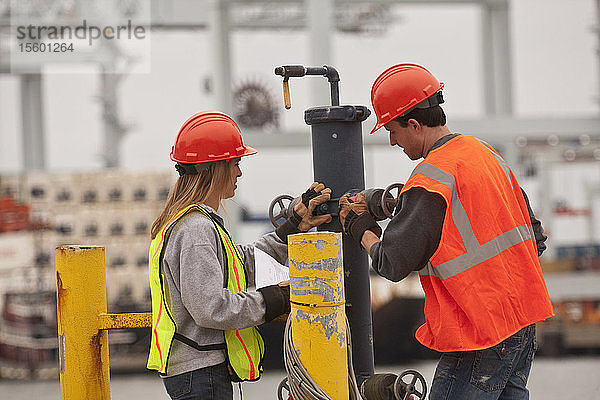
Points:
x=282, y=211
x=385, y=197
x=287, y=102
x=283, y=385
x=404, y=390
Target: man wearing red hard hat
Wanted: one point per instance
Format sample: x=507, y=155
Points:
x=466, y=226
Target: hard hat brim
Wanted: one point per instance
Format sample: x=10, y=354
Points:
x=376, y=127
x=247, y=151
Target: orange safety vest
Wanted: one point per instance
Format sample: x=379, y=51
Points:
x=484, y=282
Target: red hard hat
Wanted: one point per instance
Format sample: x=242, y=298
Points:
x=209, y=136
x=401, y=88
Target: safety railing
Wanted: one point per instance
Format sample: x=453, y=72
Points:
x=83, y=322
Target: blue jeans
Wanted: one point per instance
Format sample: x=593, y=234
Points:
x=500, y=372
x=210, y=383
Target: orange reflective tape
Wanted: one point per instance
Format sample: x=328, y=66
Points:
x=252, y=373
x=156, y=332
x=235, y=271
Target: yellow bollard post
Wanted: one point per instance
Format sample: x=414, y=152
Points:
x=318, y=319
x=81, y=298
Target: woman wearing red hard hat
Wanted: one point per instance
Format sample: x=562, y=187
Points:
x=203, y=317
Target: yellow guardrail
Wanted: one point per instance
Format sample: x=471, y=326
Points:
x=83, y=322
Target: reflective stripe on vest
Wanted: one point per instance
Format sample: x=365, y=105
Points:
x=245, y=347
x=475, y=253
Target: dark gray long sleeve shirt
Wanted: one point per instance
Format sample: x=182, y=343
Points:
x=413, y=234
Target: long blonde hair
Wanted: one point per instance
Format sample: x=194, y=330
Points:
x=190, y=189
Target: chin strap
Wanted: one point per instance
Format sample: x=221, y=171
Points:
x=191, y=169
x=429, y=102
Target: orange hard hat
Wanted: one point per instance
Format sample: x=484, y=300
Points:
x=209, y=136
x=402, y=88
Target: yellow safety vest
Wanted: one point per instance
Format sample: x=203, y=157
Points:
x=245, y=347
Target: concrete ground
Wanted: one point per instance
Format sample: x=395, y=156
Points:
x=551, y=378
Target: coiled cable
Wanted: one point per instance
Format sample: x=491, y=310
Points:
x=301, y=386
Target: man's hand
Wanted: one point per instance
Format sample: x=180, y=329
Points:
x=355, y=217
x=316, y=194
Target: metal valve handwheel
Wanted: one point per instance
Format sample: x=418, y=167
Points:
x=410, y=390
x=283, y=385
x=282, y=201
x=385, y=198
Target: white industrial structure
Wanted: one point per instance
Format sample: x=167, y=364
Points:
x=222, y=17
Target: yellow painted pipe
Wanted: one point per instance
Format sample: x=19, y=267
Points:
x=318, y=320
x=81, y=298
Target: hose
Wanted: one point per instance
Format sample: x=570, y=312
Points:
x=300, y=385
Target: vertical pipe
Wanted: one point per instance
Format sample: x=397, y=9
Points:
x=219, y=26
x=502, y=58
x=221, y=57
x=338, y=163
x=81, y=297
x=32, y=117
x=497, y=61
x=598, y=46
x=335, y=94
x=318, y=321
x=320, y=19
x=487, y=57
x=113, y=133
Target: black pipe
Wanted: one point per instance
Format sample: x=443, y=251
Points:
x=338, y=163
x=298, y=71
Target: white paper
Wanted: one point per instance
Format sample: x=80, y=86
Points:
x=267, y=270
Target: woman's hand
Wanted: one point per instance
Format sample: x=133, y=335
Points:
x=316, y=194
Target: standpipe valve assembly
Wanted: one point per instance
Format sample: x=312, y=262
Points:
x=323, y=360
x=381, y=204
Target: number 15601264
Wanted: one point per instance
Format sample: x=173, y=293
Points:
x=46, y=47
